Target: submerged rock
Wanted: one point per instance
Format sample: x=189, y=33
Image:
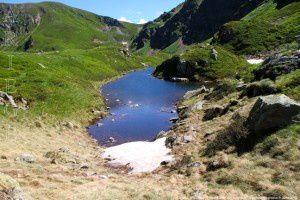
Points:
x=100, y=124
x=112, y=140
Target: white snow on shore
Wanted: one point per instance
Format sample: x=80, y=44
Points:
x=255, y=61
x=139, y=156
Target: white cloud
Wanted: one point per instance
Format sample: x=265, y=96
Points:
x=123, y=19
x=143, y=21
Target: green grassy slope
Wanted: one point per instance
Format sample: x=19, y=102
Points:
x=55, y=26
x=66, y=84
x=264, y=29
x=69, y=53
x=200, y=60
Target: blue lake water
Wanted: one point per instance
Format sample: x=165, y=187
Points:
x=141, y=106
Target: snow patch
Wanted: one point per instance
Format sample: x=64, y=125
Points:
x=139, y=156
x=255, y=61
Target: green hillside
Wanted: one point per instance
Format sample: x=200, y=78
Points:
x=271, y=25
x=65, y=84
x=54, y=26
x=61, y=56
x=201, y=64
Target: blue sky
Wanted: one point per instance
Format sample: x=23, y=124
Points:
x=133, y=10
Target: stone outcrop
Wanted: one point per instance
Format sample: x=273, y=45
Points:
x=10, y=189
x=213, y=112
x=218, y=111
x=193, y=93
x=175, y=68
x=260, y=88
x=278, y=65
x=271, y=113
x=26, y=158
x=63, y=156
x=9, y=100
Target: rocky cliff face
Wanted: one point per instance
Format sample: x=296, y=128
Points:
x=193, y=21
x=16, y=20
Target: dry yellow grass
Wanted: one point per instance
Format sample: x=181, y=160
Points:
x=44, y=180
x=246, y=176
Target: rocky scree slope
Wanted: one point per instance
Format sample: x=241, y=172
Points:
x=52, y=26
x=193, y=21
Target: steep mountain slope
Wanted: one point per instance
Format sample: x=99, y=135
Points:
x=54, y=26
x=193, y=21
x=272, y=24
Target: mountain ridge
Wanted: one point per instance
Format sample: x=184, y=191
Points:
x=193, y=21
x=56, y=26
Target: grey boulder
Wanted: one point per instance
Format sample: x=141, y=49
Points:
x=10, y=188
x=271, y=113
x=27, y=158
x=194, y=93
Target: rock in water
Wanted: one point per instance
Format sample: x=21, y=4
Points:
x=10, y=189
x=271, y=113
x=112, y=140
